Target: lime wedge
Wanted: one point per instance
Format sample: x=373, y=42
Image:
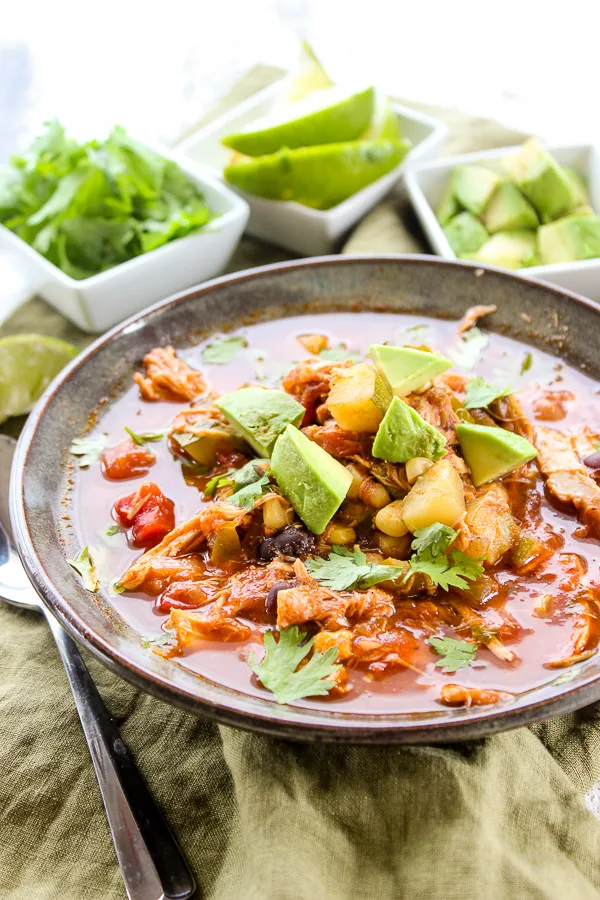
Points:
x=28, y=363
x=384, y=124
x=324, y=117
x=319, y=177
x=309, y=76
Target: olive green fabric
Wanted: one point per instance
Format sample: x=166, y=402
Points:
x=261, y=819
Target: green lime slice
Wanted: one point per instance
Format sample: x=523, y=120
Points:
x=324, y=117
x=28, y=363
x=309, y=76
x=319, y=177
x=384, y=124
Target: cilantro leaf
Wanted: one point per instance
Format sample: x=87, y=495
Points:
x=455, y=654
x=218, y=481
x=223, y=350
x=88, y=449
x=467, y=352
x=526, y=364
x=249, y=473
x=480, y=393
x=144, y=437
x=340, y=351
x=277, y=669
x=247, y=496
x=113, y=529
x=84, y=567
x=159, y=640
x=446, y=571
x=345, y=569
x=434, y=539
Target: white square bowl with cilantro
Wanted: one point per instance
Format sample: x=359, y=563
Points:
x=100, y=301
x=310, y=232
x=425, y=183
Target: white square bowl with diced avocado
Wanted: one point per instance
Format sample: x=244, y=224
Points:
x=427, y=183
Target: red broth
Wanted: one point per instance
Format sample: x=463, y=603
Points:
x=272, y=349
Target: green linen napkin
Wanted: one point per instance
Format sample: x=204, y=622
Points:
x=263, y=819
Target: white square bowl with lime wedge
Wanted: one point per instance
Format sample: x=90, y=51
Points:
x=427, y=182
x=297, y=226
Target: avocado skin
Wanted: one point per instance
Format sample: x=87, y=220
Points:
x=403, y=434
x=260, y=415
x=314, y=482
x=317, y=177
x=492, y=452
x=344, y=120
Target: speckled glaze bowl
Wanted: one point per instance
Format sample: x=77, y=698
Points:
x=545, y=317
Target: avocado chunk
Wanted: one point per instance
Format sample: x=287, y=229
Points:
x=204, y=444
x=542, y=180
x=509, y=249
x=260, y=415
x=437, y=496
x=465, y=233
x=569, y=239
x=448, y=206
x=405, y=368
x=358, y=398
x=313, y=481
x=492, y=452
x=508, y=210
x=473, y=186
x=579, y=185
x=329, y=116
x=403, y=434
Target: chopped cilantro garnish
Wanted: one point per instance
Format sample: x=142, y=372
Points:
x=277, y=669
x=526, y=364
x=84, y=567
x=435, y=539
x=88, y=449
x=345, y=569
x=480, y=393
x=146, y=436
x=223, y=350
x=247, y=496
x=340, y=351
x=159, y=640
x=455, y=654
x=113, y=529
x=218, y=481
x=430, y=558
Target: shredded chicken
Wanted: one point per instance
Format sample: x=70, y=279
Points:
x=435, y=406
x=457, y=695
x=168, y=377
x=567, y=477
x=472, y=315
x=492, y=529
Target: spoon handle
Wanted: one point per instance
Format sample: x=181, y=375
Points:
x=151, y=862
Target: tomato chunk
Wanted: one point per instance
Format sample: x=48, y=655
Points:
x=148, y=513
x=126, y=460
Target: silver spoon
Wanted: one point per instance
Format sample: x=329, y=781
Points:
x=151, y=863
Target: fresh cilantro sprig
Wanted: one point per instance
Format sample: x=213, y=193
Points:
x=480, y=393
x=446, y=569
x=146, y=436
x=88, y=449
x=84, y=566
x=455, y=654
x=223, y=350
x=164, y=639
x=247, y=496
x=346, y=569
x=278, y=670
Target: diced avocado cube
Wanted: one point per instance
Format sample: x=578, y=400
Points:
x=358, y=398
x=313, y=481
x=406, y=368
x=437, y=496
x=492, y=452
x=403, y=434
x=579, y=185
x=260, y=415
x=473, y=186
x=509, y=249
x=508, y=210
x=465, y=234
x=448, y=206
x=204, y=444
x=569, y=239
x=542, y=180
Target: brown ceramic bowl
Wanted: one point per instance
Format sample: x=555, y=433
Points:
x=545, y=317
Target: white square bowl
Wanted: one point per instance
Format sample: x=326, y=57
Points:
x=101, y=301
x=310, y=232
x=425, y=184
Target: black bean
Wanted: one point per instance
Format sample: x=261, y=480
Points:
x=290, y=541
x=593, y=461
x=271, y=598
